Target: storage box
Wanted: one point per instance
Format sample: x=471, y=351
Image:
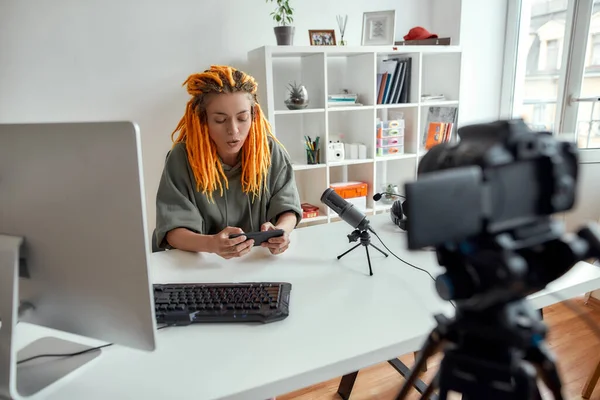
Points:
x=309, y=211
x=390, y=142
x=348, y=190
x=388, y=151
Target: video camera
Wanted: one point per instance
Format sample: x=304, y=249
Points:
x=486, y=203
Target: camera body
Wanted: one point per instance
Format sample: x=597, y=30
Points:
x=335, y=151
x=499, y=177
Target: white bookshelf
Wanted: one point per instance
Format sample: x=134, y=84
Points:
x=327, y=70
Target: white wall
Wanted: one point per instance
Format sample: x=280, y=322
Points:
x=482, y=34
x=73, y=60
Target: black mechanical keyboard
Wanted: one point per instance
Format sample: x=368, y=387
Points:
x=185, y=303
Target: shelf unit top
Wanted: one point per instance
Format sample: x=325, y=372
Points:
x=299, y=51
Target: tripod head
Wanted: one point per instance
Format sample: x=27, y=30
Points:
x=486, y=204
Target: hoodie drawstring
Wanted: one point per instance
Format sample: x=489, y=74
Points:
x=250, y=213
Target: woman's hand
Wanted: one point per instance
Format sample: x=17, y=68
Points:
x=230, y=248
x=276, y=245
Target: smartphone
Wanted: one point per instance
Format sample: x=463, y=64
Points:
x=259, y=237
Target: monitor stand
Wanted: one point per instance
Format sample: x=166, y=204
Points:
x=17, y=381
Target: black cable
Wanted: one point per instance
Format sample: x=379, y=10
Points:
x=74, y=354
x=406, y=262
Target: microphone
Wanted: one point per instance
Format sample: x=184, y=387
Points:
x=345, y=210
x=378, y=196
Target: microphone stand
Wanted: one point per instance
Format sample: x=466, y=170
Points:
x=365, y=241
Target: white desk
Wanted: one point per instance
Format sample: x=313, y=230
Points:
x=341, y=320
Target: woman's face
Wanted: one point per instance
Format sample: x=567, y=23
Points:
x=229, y=120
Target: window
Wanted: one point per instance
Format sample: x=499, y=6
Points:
x=595, y=48
x=552, y=68
x=552, y=55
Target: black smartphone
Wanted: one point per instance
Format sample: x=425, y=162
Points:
x=259, y=237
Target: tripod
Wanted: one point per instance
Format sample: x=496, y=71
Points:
x=491, y=355
x=494, y=346
x=365, y=240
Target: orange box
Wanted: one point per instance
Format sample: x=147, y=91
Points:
x=347, y=190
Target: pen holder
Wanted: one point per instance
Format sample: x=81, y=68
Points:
x=313, y=156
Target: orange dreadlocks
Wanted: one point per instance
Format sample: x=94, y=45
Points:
x=201, y=150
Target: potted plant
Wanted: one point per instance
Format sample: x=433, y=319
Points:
x=283, y=16
x=298, y=98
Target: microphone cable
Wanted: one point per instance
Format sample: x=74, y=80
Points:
x=406, y=262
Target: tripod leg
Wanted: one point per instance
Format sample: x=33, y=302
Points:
x=342, y=255
x=431, y=346
x=369, y=260
x=429, y=391
x=542, y=359
x=378, y=249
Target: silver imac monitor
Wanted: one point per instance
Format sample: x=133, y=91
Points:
x=73, y=246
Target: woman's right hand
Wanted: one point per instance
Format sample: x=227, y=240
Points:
x=230, y=248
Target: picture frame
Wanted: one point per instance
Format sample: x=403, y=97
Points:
x=322, y=37
x=379, y=28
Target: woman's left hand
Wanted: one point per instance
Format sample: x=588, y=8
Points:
x=276, y=245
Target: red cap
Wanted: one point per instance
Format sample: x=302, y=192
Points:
x=419, y=33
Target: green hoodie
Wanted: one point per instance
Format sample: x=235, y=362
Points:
x=179, y=205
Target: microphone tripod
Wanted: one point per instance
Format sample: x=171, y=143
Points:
x=365, y=241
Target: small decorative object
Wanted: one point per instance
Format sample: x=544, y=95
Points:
x=283, y=16
x=342, y=25
x=322, y=37
x=298, y=97
x=389, y=198
x=379, y=28
x=421, y=36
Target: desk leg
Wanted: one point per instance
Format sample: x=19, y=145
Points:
x=346, y=385
x=405, y=371
x=416, y=354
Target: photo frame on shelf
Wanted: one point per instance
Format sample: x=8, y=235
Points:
x=322, y=37
x=379, y=28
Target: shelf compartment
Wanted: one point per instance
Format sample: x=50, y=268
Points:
x=290, y=130
x=411, y=124
x=311, y=185
x=352, y=73
x=441, y=76
x=354, y=173
x=307, y=70
x=440, y=113
x=403, y=72
x=394, y=172
x=353, y=126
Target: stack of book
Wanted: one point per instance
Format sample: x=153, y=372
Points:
x=394, y=80
x=344, y=99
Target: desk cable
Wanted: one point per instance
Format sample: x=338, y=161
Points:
x=73, y=354
x=406, y=262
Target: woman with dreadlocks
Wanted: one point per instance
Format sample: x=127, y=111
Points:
x=226, y=172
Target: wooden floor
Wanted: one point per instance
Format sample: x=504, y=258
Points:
x=576, y=346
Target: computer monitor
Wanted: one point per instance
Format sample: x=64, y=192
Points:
x=73, y=194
